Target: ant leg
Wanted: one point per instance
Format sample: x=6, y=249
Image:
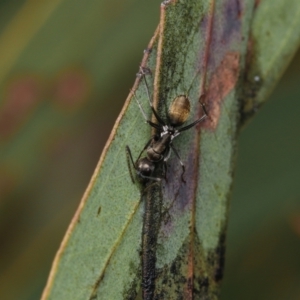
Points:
x=168, y=155
x=165, y=163
x=156, y=126
x=146, y=146
x=197, y=121
x=144, y=72
x=150, y=177
x=182, y=165
x=130, y=159
x=192, y=124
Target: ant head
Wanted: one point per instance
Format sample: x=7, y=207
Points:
x=179, y=110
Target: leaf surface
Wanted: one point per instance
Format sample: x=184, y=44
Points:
x=202, y=48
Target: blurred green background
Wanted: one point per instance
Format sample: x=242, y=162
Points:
x=66, y=68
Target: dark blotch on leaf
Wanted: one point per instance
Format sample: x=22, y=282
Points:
x=99, y=211
x=204, y=283
x=220, y=257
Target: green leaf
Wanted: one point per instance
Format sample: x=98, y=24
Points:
x=100, y=254
x=274, y=39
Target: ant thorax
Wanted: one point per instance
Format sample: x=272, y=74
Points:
x=158, y=147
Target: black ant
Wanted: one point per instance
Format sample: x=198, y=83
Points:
x=158, y=148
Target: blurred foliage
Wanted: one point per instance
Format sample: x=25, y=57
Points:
x=51, y=133
x=51, y=137
x=263, y=244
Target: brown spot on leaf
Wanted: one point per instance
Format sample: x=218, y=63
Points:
x=221, y=84
x=256, y=3
x=71, y=88
x=20, y=98
x=99, y=211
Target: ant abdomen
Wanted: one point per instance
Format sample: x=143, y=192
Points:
x=179, y=110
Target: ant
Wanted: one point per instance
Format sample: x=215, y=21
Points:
x=159, y=147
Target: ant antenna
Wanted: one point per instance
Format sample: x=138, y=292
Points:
x=144, y=72
x=143, y=112
x=139, y=104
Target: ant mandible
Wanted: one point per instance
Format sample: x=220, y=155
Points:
x=158, y=148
